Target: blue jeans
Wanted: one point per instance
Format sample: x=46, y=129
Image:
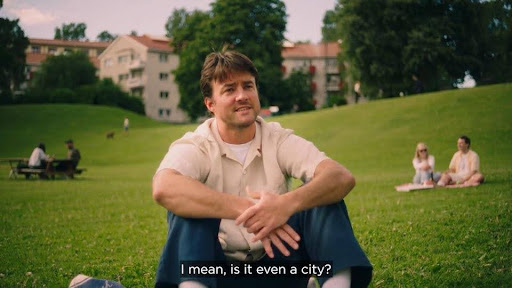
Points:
x=326, y=235
x=423, y=176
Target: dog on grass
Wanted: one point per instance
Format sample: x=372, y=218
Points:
x=110, y=135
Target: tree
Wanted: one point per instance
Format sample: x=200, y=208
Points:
x=183, y=26
x=71, y=31
x=105, y=36
x=300, y=93
x=386, y=42
x=12, y=57
x=65, y=71
x=253, y=27
x=329, y=29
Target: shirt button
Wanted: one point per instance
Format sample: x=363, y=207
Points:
x=244, y=172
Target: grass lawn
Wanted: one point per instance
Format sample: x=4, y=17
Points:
x=105, y=224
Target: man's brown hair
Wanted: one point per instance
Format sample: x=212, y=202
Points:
x=219, y=65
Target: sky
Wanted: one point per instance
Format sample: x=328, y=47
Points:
x=39, y=18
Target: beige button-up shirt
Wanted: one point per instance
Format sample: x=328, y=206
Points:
x=275, y=155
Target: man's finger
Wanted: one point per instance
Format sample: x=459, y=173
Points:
x=291, y=232
x=245, y=215
x=279, y=244
x=267, y=245
x=286, y=238
x=254, y=228
x=261, y=234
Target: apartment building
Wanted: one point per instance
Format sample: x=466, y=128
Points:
x=143, y=65
x=39, y=49
x=320, y=62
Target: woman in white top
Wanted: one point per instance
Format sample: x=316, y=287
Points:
x=424, y=163
x=38, y=158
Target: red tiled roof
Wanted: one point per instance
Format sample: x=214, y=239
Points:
x=307, y=50
x=82, y=44
x=158, y=44
x=38, y=58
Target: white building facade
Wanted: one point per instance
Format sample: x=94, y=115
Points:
x=143, y=66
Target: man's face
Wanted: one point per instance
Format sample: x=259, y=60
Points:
x=235, y=101
x=462, y=145
x=70, y=145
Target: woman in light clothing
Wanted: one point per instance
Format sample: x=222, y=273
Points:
x=38, y=158
x=424, y=163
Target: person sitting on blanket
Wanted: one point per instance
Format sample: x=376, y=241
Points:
x=423, y=163
x=464, y=167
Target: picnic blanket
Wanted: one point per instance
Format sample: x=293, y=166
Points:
x=407, y=187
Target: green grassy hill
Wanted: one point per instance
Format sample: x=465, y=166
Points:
x=105, y=224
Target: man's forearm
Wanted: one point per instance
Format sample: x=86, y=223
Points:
x=330, y=184
x=188, y=197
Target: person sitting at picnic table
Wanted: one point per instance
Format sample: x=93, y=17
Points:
x=424, y=163
x=38, y=159
x=73, y=155
x=464, y=167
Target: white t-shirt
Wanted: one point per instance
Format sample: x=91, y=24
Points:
x=36, y=157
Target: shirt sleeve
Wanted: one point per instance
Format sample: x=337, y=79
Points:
x=188, y=160
x=416, y=163
x=298, y=157
x=43, y=156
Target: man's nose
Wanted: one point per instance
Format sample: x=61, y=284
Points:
x=241, y=94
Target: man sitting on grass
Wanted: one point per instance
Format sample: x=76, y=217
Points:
x=209, y=179
x=464, y=167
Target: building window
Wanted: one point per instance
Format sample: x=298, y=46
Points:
x=162, y=111
x=36, y=49
x=164, y=94
x=52, y=50
x=108, y=62
x=163, y=57
x=123, y=59
x=164, y=76
x=136, y=74
x=123, y=77
x=137, y=92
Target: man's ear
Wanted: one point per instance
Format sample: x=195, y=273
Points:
x=210, y=104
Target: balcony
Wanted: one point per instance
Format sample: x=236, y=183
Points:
x=136, y=64
x=136, y=82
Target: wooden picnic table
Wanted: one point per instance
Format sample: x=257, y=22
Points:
x=53, y=167
x=13, y=165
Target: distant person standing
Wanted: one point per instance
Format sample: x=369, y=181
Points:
x=357, y=91
x=126, y=125
x=464, y=167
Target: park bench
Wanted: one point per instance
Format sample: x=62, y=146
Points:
x=64, y=167
x=51, y=173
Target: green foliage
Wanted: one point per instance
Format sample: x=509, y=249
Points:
x=299, y=93
x=65, y=71
x=106, y=36
x=71, y=31
x=71, y=78
x=329, y=29
x=12, y=58
x=254, y=28
x=386, y=42
x=105, y=223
